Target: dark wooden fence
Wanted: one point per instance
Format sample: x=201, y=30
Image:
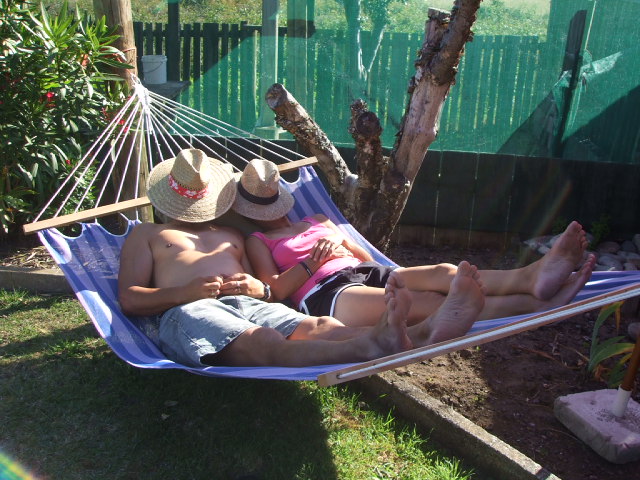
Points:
x=477, y=193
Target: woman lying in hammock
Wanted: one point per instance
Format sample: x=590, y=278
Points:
x=325, y=273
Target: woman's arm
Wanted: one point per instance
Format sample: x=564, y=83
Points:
x=282, y=284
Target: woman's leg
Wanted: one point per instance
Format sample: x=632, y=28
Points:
x=359, y=306
x=542, y=279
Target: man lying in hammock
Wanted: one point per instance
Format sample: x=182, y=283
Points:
x=325, y=273
x=196, y=276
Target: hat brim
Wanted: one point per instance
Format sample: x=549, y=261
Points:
x=218, y=200
x=254, y=211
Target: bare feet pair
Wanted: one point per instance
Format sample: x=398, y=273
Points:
x=453, y=319
x=555, y=269
x=554, y=282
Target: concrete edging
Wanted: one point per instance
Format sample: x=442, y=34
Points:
x=36, y=280
x=452, y=430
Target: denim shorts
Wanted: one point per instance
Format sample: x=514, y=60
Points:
x=189, y=332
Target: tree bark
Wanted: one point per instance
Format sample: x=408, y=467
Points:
x=118, y=15
x=374, y=199
x=292, y=116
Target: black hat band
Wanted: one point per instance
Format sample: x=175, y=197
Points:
x=257, y=200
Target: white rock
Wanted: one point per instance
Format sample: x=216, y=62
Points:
x=636, y=241
x=628, y=246
x=610, y=261
x=628, y=255
x=608, y=247
x=603, y=268
x=543, y=249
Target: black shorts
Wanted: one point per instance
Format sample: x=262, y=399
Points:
x=321, y=300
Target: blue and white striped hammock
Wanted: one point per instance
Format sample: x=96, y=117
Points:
x=90, y=261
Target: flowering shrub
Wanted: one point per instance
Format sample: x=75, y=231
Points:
x=54, y=90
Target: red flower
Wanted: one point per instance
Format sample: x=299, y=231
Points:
x=49, y=99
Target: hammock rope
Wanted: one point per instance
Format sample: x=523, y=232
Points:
x=160, y=128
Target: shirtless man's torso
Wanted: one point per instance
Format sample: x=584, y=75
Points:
x=183, y=263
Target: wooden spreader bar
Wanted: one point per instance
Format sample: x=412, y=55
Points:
x=424, y=353
x=129, y=204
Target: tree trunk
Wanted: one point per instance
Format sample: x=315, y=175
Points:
x=118, y=15
x=374, y=199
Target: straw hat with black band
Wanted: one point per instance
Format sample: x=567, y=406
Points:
x=191, y=187
x=260, y=195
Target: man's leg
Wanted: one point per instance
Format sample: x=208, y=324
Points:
x=262, y=346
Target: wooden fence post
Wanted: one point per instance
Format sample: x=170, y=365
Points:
x=173, y=41
x=118, y=15
x=266, y=125
x=298, y=23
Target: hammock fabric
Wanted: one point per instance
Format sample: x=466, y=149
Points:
x=90, y=263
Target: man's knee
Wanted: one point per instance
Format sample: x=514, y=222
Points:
x=446, y=268
x=252, y=347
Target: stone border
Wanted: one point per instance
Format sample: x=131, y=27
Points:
x=36, y=280
x=479, y=448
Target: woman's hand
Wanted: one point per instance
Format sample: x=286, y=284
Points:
x=325, y=249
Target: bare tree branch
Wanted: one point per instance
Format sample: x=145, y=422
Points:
x=292, y=116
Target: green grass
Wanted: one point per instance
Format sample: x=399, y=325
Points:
x=72, y=410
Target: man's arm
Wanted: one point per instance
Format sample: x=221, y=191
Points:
x=135, y=281
x=243, y=283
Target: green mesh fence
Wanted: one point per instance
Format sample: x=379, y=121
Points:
x=573, y=93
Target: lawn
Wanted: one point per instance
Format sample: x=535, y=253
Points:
x=72, y=410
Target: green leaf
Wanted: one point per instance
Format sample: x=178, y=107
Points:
x=607, y=349
x=605, y=313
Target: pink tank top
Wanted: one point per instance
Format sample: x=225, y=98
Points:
x=289, y=251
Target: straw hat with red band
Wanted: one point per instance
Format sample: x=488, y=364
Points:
x=260, y=195
x=191, y=187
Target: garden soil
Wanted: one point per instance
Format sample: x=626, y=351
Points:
x=508, y=386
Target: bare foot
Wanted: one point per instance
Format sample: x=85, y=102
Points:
x=556, y=266
x=459, y=311
x=572, y=286
x=390, y=335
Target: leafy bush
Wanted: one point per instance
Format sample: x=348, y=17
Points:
x=54, y=98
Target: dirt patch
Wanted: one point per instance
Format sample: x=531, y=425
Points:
x=508, y=386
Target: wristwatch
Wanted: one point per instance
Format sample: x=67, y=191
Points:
x=267, y=292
